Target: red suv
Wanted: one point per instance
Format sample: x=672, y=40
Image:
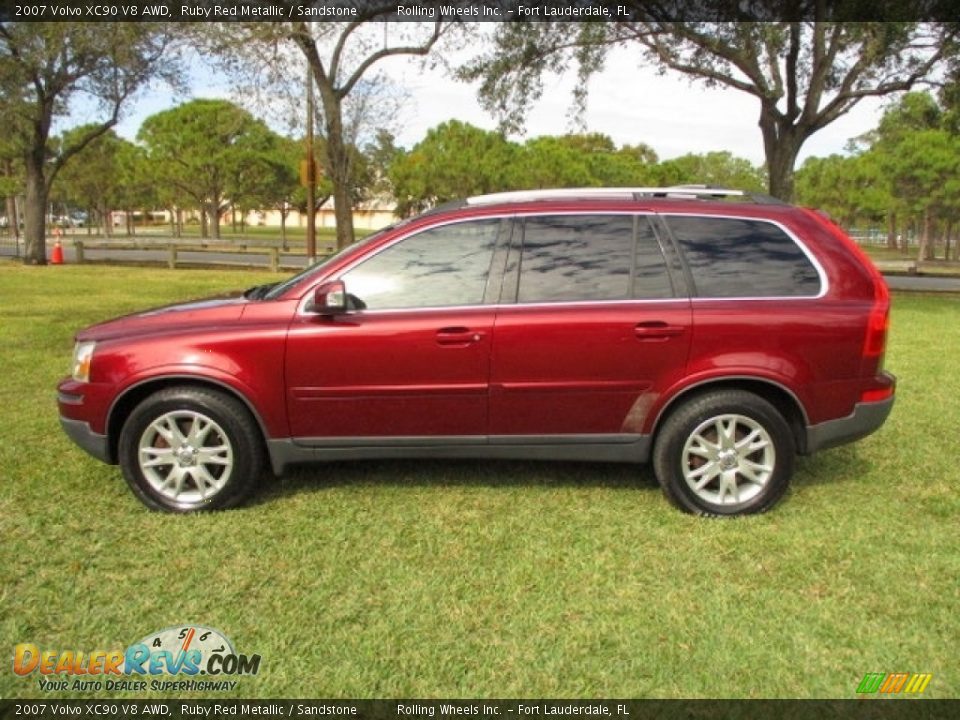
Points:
x=715, y=334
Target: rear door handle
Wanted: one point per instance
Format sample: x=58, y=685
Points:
x=657, y=330
x=458, y=336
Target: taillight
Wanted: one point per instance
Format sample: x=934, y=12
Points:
x=869, y=396
x=876, y=340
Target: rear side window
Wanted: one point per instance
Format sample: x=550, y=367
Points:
x=577, y=258
x=734, y=257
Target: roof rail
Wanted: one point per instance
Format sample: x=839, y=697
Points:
x=622, y=193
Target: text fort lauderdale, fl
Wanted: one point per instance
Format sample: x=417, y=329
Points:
x=525, y=11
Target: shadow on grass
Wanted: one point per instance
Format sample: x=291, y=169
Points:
x=836, y=465
x=454, y=473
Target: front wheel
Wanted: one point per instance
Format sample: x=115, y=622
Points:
x=187, y=448
x=726, y=452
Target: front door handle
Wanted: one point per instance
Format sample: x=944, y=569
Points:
x=458, y=336
x=657, y=330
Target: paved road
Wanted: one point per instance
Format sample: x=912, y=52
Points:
x=914, y=283
x=923, y=283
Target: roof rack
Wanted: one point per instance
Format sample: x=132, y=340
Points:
x=621, y=193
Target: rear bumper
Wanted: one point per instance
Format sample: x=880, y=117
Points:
x=865, y=419
x=94, y=443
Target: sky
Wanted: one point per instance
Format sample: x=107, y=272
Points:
x=628, y=101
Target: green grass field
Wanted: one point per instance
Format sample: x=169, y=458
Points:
x=485, y=579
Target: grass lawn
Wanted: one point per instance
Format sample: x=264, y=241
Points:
x=485, y=579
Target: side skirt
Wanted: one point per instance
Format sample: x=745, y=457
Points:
x=586, y=448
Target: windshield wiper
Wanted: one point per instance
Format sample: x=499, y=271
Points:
x=257, y=292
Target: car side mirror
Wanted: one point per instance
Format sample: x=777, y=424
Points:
x=330, y=298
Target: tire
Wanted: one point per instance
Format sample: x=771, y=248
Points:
x=725, y=452
x=213, y=445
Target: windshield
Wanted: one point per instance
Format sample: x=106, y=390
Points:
x=279, y=289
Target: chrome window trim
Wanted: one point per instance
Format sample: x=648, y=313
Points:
x=824, y=282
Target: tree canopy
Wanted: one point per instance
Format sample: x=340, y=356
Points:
x=342, y=59
x=43, y=66
x=804, y=75
x=211, y=151
x=456, y=160
x=906, y=172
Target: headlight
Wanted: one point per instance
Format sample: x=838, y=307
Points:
x=82, y=355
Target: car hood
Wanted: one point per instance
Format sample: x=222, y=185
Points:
x=209, y=312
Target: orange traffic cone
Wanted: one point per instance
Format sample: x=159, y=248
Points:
x=56, y=256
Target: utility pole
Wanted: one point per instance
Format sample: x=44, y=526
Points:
x=311, y=176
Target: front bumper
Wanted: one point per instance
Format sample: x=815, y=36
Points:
x=865, y=419
x=94, y=443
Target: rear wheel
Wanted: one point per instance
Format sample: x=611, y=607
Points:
x=726, y=452
x=186, y=449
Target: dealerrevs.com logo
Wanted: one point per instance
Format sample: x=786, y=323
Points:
x=183, y=652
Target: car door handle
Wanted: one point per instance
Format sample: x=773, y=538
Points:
x=657, y=330
x=458, y=336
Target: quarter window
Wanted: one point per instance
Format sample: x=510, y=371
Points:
x=571, y=258
x=440, y=267
x=733, y=257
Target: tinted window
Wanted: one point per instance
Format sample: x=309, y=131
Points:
x=444, y=266
x=569, y=258
x=730, y=257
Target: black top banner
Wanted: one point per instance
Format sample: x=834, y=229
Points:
x=533, y=709
x=476, y=10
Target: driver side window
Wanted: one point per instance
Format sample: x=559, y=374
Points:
x=440, y=267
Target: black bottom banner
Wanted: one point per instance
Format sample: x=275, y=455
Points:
x=868, y=709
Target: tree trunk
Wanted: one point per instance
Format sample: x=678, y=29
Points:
x=13, y=222
x=946, y=240
x=781, y=144
x=215, y=219
x=892, y=230
x=107, y=217
x=338, y=159
x=204, y=233
x=924, y=236
x=283, y=229
x=35, y=239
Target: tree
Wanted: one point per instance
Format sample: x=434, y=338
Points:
x=381, y=153
x=454, y=160
x=722, y=169
x=201, y=148
x=548, y=162
x=907, y=169
x=93, y=179
x=280, y=180
x=925, y=174
x=849, y=188
x=582, y=160
x=804, y=75
x=917, y=159
x=138, y=184
x=341, y=58
x=11, y=183
x=43, y=66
